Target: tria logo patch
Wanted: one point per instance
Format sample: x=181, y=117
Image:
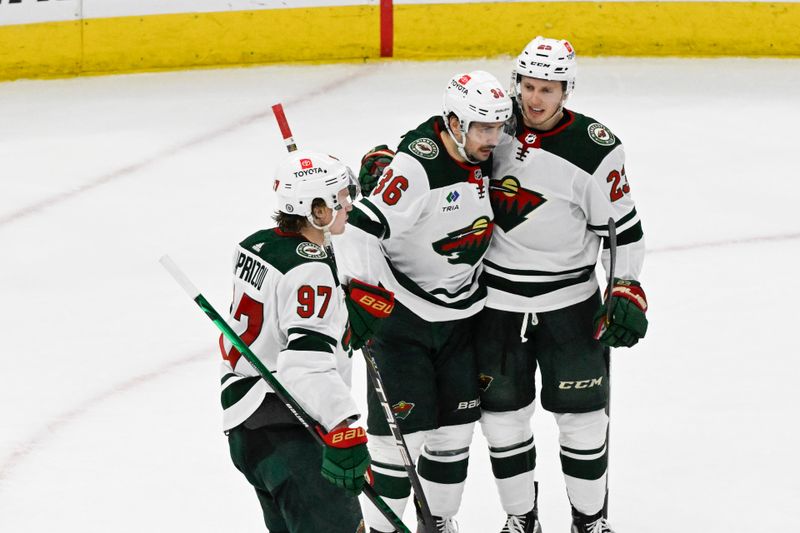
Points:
x=466, y=245
x=452, y=197
x=511, y=203
x=306, y=163
x=402, y=409
x=600, y=134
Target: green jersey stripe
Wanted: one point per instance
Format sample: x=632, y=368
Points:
x=531, y=289
x=418, y=291
x=309, y=343
x=535, y=272
x=360, y=220
x=312, y=333
x=630, y=235
x=387, y=232
x=620, y=222
x=236, y=391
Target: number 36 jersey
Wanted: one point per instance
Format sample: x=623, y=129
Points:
x=552, y=194
x=288, y=307
x=423, y=231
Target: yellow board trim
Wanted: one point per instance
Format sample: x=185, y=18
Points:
x=36, y=50
x=422, y=31
x=685, y=29
x=240, y=37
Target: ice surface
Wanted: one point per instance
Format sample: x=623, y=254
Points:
x=109, y=403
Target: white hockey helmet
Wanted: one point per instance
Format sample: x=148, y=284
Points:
x=546, y=59
x=474, y=96
x=306, y=175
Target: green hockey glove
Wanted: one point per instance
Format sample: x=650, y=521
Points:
x=372, y=165
x=367, y=306
x=628, y=321
x=345, y=458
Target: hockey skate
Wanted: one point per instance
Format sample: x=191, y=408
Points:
x=582, y=523
x=443, y=525
x=522, y=523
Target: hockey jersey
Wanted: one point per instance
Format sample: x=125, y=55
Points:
x=552, y=194
x=289, y=308
x=423, y=231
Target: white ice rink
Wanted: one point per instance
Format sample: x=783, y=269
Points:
x=109, y=402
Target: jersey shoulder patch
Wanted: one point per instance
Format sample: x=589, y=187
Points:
x=584, y=142
x=424, y=144
x=284, y=251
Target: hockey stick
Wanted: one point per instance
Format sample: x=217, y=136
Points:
x=377, y=383
x=372, y=369
x=283, y=395
x=612, y=262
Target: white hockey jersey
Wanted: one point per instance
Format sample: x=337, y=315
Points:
x=424, y=230
x=289, y=308
x=552, y=194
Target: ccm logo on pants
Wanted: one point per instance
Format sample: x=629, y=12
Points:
x=582, y=384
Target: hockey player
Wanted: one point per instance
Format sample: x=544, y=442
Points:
x=422, y=234
x=289, y=307
x=553, y=190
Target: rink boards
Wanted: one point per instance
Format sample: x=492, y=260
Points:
x=52, y=38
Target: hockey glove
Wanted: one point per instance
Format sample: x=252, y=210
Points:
x=372, y=165
x=367, y=306
x=345, y=458
x=628, y=321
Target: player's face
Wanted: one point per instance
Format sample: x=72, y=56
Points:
x=541, y=102
x=482, y=138
x=341, y=217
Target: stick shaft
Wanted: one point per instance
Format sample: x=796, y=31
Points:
x=309, y=423
x=400, y=442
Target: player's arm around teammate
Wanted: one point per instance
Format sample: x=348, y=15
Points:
x=422, y=233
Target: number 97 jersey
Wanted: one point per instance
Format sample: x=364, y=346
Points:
x=288, y=307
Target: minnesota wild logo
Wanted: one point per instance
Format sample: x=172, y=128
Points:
x=402, y=409
x=484, y=381
x=309, y=250
x=466, y=245
x=511, y=203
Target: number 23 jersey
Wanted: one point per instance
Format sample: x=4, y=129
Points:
x=552, y=194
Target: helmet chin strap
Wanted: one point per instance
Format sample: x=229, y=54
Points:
x=460, y=145
x=326, y=229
